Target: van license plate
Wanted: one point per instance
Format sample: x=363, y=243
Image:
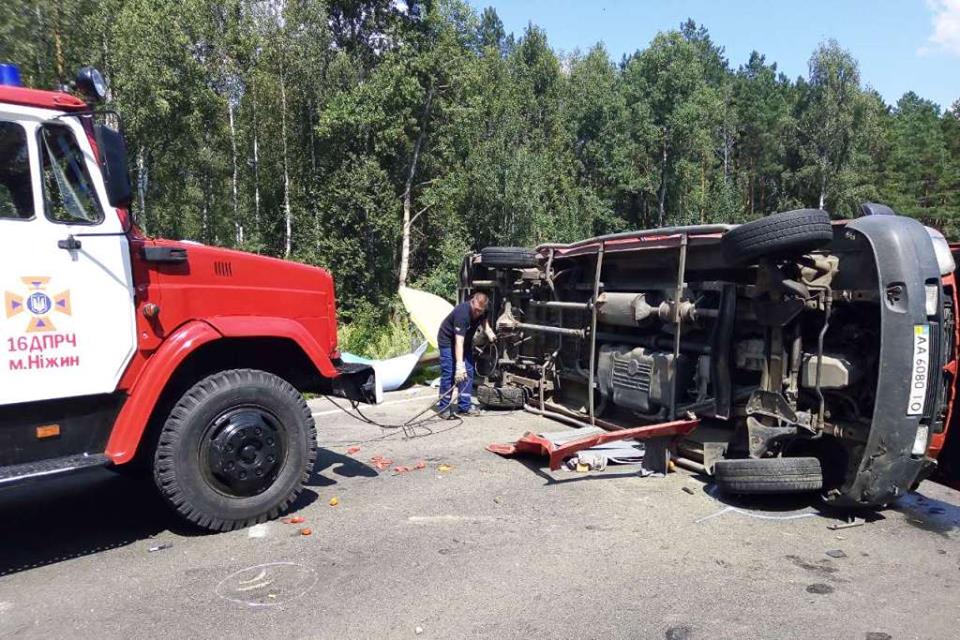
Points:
x=921, y=369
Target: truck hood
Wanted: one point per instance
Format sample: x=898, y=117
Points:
x=196, y=281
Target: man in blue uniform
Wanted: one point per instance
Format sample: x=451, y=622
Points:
x=455, y=340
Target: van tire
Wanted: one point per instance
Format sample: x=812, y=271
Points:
x=492, y=397
x=508, y=257
x=789, y=233
x=768, y=475
x=236, y=449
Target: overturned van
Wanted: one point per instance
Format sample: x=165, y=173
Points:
x=811, y=355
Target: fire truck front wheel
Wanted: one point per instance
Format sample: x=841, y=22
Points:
x=236, y=450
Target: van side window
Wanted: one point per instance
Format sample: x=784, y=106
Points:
x=16, y=191
x=68, y=191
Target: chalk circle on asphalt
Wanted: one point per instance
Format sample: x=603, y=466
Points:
x=267, y=585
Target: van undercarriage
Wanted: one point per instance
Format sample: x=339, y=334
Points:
x=810, y=353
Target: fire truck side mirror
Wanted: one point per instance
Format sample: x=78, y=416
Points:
x=113, y=164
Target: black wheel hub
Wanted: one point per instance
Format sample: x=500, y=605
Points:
x=245, y=451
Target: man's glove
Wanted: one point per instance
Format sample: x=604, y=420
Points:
x=461, y=374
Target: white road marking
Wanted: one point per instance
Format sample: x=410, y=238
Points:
x=382, y=404
x=448, y=518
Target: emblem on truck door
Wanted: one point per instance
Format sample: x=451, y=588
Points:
x=37, y=303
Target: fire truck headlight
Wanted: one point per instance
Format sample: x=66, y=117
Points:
x=91, y=84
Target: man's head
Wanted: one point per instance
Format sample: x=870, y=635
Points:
x=478, y=305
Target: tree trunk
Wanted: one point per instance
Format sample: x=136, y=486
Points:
x=256, y=166
x=107, y=67
x=313, y=176
x=408, y=190
x=726, y=155
x=205, y=219
x=703, y=189
x=288, y=213
x=142, y=178
x=823, y=190
x=40, y=34
x=237, y=223
x=662, y=195
x=58, y=46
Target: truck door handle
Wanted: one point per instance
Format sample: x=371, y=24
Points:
x=70, y=244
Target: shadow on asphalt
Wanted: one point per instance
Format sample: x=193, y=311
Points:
x=337, y=464
x=928, y=513
x=43, y=523
x=55, y=520
x=770, y=504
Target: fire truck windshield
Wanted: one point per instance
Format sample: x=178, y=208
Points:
x=16, y=191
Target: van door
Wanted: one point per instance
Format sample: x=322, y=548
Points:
x=67, y=324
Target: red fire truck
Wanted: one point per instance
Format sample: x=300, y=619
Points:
x=121, y=350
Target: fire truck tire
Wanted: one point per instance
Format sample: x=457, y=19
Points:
x=789, y=233
x=235, y=450
x=768, y=475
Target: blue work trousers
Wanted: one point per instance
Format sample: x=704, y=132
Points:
x=448, y=368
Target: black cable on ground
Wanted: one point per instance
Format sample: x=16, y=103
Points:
x=407, y=427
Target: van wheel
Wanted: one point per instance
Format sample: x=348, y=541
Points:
x=492, y=397
x=768, y=475
x=789, y=233
x=236, y=450
x=508, y=257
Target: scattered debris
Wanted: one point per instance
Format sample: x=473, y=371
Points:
x=380, y=462
x=443, y=468
x=294, y=520
x=352, y=450
x=418, y=630
x=852, y=522
x=420, y=465
x=498, y=500
x=306, y=531
x=258, y=530
x=560, y=446
x=159, y=547
x=334, y=501
x=688, y=490
x=836, y=553
x=679, y=633
x=401, y=469
x=819, y=588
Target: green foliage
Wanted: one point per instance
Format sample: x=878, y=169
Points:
x=369, y=335
x=301, y=128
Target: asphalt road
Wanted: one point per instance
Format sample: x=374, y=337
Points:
x=491, y=548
